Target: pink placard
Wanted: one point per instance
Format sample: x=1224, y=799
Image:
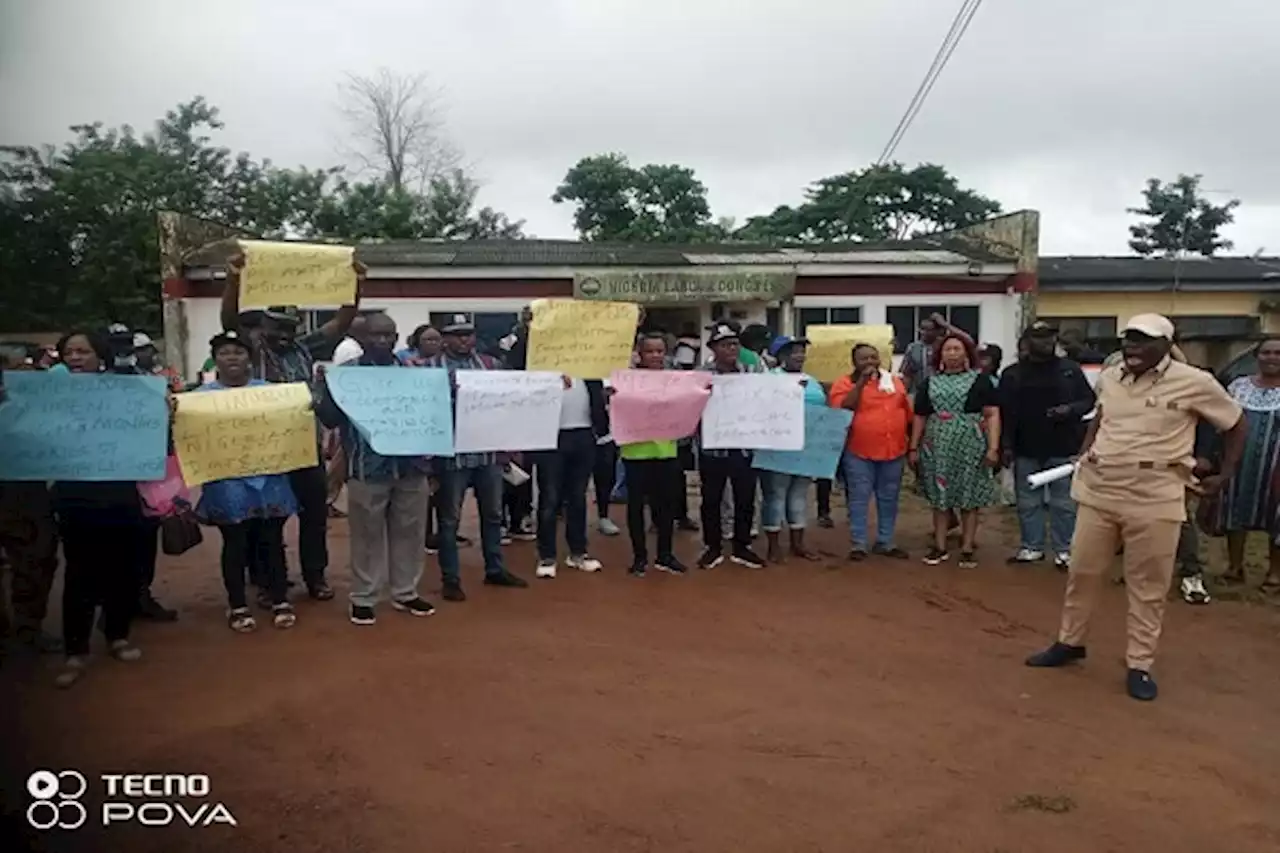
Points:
x=657, y=405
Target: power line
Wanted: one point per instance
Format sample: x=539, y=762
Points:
x=959, y=26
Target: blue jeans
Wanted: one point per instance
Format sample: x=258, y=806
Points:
x=864, y=478
x=487, y=483
x=562, y=480
x=1032, y=510
x=786, y=498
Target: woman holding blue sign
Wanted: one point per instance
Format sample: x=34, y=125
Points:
x=249, y=512
x=104, y=543
x=786, y=496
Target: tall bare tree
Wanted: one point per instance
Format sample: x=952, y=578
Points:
x=397, y=129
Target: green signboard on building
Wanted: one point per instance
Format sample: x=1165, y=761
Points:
x=692, y=286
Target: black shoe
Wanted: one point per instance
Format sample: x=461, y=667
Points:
x=416, y=606
x=320, y=591
x=1141, y=685
x=638, y=568
x=825, y=521
x=670, y=565
x=688, y=525
x=744, y=556
x=1059, y=654
x=452, y=591
x=361, y=615
x=936, y=556
x=432, y=545
x=710, y=558
x=506, y=579
x=152, y=611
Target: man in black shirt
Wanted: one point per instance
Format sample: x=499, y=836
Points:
x=1043, y=399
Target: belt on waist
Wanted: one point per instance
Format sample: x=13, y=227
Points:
x=1144, y=466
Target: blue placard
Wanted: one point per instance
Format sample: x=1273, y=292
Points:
x=76, y=426
x=400, y=411
x=825, y=433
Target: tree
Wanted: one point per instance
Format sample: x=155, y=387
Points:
x=378, y=211
x=887, y=202
x=654, y=203
x=79, y=243
x=1184, y=222
x=397, y=129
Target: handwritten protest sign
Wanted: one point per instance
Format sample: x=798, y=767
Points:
x=825, y=433
x=400, y=411
x=586, y=340
x=830, y=348
x=655, y=405
x=753, y=411
x=243, y=432
x=69, y=426
x=296, y=274
x=507, y=410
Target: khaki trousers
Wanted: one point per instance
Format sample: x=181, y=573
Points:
x=1149, y=550
x=388, y=524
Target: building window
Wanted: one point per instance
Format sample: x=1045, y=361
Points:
x=806, y=317
x=1191, y=327
x=1095, y=330
x=906, y=320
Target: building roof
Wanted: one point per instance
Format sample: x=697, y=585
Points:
x=1130, y=273
x=572, y=253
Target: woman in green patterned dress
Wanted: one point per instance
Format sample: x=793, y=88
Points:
x=955, y=445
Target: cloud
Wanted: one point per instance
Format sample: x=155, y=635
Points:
x=1066, y=108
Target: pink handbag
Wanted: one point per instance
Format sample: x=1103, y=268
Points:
x=168, y=497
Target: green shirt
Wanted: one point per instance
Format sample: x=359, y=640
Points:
x=748, y=358
x=649, y=450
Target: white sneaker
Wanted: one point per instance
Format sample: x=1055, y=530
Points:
x=1062, y=561
x=1193, y=591
x=72, y=669
x=1026, y=555
x=584, y=563
x=607, y=527
x=546, y=569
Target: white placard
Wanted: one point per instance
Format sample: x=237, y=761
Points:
x=507, y=410
x=753, y=411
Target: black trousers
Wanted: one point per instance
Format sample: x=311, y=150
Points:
x=150, y=552
x=650, y=482
x=604, y=475
x=824, y=499
x=103, y=553
x=311, y=487
x=736, y=472
x=517, y=501
x=241, y=545
x=687, y=463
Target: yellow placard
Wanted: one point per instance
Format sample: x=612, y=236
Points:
x=830, y=348
x=296, y=274
x=582, y=339
x=243, y=432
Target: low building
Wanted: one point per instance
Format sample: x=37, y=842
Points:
x=1220, y=306
x=979, y=278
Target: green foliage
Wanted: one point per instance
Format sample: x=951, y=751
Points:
x=655, y=203
x=78, y=226
x=886, y=202
x=1183, y=221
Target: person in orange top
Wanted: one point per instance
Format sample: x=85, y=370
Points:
x=876, y=451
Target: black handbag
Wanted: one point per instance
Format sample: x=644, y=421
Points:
x=180, y=533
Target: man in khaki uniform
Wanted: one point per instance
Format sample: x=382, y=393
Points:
x=1135, y=466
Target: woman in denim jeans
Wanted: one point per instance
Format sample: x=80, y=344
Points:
x=786, y=496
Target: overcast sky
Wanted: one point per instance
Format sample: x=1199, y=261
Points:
x=1064, y=107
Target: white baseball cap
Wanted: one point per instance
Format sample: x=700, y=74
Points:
x=142, y=339
x=1151, y=325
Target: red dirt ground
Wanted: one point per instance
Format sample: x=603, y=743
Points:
x=832, y=707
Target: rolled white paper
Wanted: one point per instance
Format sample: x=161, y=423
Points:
x=1050, y=475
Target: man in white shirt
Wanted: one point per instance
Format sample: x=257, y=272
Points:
x=352, y=346
x=563, y=474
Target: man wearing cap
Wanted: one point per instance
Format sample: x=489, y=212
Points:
x=718, y=468
x=279, y=355
x=1043, y=399
x=1135, y=467
x=148, y=356
x=477, y=471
